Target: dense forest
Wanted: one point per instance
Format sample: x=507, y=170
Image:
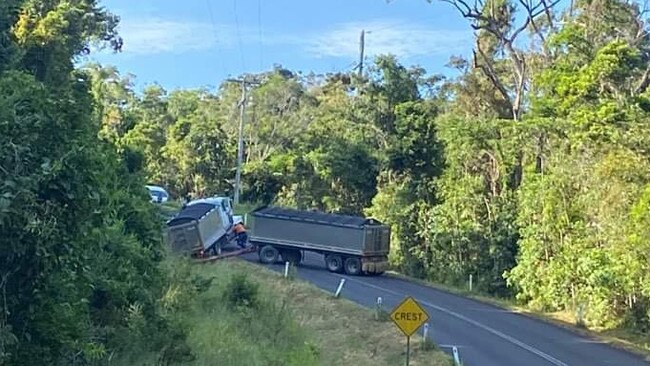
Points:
x=529, y=170
x=82, y=279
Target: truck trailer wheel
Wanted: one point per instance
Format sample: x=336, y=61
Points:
x=268, y=254
x=334, y=263
x=352, y=266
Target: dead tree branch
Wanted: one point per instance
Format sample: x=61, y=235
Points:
x=483, y=19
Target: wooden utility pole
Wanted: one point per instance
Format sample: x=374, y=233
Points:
x=362, y=45
x=245, y=82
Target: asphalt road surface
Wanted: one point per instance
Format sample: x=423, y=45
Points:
x=484, y=335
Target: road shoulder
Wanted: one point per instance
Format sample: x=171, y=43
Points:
x=615, y=341
x=341, y=331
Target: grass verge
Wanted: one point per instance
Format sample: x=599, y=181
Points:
x=620, y=338
x=312, y=327
x=245, y=207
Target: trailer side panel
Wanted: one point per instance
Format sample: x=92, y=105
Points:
x=211, y=228
x=309, y=235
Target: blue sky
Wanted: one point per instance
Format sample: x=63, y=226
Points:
x=194, y=43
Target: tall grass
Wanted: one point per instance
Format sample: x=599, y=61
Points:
x=259, y=332
x=236, y=313
x=228, y=321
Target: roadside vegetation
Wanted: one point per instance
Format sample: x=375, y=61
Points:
x=240, y=314
x=528, y=170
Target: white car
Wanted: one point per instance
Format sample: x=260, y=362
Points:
x=158, y=194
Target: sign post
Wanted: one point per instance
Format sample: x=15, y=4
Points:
x=408, y=349
x=409, y=316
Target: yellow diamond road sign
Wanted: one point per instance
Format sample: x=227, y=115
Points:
x=409, y=316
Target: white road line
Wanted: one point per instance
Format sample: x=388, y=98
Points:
x=506, y=337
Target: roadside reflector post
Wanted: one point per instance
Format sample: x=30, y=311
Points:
x=470, y=282
x=580, y=315
x=425, y=332
x=338, y=290
x=286, y=269
x=378, y=309
x=456, y=356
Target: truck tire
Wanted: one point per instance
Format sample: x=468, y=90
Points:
x=292, y=256
x=334, y=263
x=268, y=254
x=352, y=266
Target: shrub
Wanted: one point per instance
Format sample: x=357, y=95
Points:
x=241, y=292
x=427, y=345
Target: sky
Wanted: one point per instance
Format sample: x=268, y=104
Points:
x=199, y=43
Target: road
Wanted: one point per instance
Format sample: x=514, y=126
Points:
x=485, y=335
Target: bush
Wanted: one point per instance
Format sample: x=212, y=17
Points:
x=241, y=292
x=427, y=345
x=638, y=317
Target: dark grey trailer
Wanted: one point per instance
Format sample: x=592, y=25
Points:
x=198, y=229
x=349, y=243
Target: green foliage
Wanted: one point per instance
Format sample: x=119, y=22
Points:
x=197, y=150
x=241, y=292
x=471, y=231
x=50, y=33
x=81, y=246
x=235, y=333
x=529, y=171
x=426, y=344
x=331, y=171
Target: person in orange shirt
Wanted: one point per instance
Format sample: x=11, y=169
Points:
x=241, y=235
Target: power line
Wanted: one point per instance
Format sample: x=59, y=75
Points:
x=239, y=40
x=216, y=33
x=403, y=23
x=259, y=30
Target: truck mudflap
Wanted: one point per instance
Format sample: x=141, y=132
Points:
x=374, y=265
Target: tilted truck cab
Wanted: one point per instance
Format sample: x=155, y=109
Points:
x=350, y=244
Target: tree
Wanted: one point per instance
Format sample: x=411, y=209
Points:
x=578, y=236
x=470, y=230
x=497, y=32
x=114, y=100
x=149, y=134
x=79, y=243
x=405, y=186
x=199, y=153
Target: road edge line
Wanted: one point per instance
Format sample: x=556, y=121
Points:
x=615, y=342
x=499, y=334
